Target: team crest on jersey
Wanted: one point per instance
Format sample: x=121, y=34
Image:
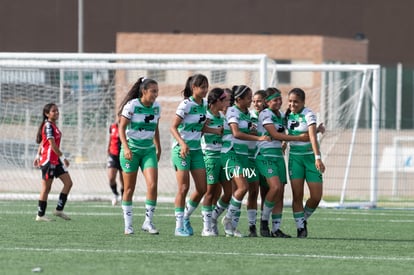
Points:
x=211, y=177
x=127, y=165
x=183, y=163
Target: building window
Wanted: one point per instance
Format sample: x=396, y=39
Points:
x=283, y=77
x=218, y=76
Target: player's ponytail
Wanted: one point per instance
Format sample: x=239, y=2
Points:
x=46, y=110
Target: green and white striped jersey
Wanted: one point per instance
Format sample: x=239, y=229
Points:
x=270, y=148
x=298, y=124
x=193, y=117
x=212, y=143
x=235, y=115
x=143, y=122
x=254, y=118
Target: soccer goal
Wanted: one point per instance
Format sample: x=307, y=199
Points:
x=398, y=161
x=89, y=87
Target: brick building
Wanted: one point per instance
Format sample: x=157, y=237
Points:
x=285, y=49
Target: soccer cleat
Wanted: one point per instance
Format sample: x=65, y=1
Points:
x=188, y=227
x=303, y=232
x=60, y=214
x=181, y=232
x=252, y=231
x=264, y=228
x=214, y=227
x=44, y=219
x=208, y=233
x=150, y=228
x=228, y=226
x=238, y=234
x=129, y=230
x=279, y=234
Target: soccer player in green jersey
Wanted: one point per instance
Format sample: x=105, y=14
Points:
x=139, y=134
x=257, y=180
x=305, y=161
x=211, y=144
x=221, y=201
x=235, y=157
x=271, y=163
x=187, y=157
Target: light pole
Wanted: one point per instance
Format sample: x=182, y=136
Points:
x=79, y=156
x=80, y=26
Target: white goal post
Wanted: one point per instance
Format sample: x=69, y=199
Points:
x=89, y=86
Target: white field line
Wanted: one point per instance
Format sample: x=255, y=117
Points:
x=139, y=204
x=77, y=197
x=74, y=214
x=210, y=253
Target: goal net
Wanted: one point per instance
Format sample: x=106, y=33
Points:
x=89, y=87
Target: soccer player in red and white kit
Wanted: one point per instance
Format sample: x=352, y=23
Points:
x=113, y=163
x=52, y=162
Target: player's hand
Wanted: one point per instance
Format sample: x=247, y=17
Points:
x=127, y=153
x=321, y=128
x=264, y=138
x=304, y=137
x=320, y=166
x=184, y=150
x=36, y=163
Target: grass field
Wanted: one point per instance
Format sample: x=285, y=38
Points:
x=346, y=241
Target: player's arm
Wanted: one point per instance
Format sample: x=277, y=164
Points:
x=109, y=142
x=174, y=132
x=270, y=128
x=36, y=161
x=123, y=122
x=315, y=147
x=157, y=142
x=234, y=127
x=57, y=151
x=207, y=129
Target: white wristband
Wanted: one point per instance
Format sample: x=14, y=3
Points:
x=62, y=157
x=318, y=157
